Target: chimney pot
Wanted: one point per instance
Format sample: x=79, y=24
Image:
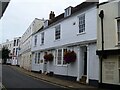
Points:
x=51, y=15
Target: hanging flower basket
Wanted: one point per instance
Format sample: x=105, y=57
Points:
x=70, y=56
x=48, y=57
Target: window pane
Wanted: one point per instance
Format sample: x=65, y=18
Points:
x=59, y=56
x=57, y=32
x=35, y=57
x=119, y=75
x=38, y=57
x=35, y=42
x=64, y=51
x=55, y=57
x=82, y=23
x=119, y=62
x=42, y=38
x=119, y=30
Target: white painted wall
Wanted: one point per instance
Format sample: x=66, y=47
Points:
x=25, y=43
x=69, y=32
x=70, y=35
x=93, y=63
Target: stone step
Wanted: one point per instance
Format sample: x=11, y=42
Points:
x=83, y=79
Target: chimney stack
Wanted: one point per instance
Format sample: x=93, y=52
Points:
x=92, y=1
x=51, y=15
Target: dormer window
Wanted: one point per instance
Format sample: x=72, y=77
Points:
x=46, y=23
x=68, y=11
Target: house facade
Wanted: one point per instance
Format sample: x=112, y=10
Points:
x=25, y=44
x=108, y=42
x=13, y=46
x=16, y=42
x=74, y=31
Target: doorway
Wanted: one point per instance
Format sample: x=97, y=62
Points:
x=85, y=61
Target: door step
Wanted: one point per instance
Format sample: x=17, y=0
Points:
x=83, y=79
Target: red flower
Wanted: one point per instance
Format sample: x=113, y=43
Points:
x=48, y=57
x=69, y=56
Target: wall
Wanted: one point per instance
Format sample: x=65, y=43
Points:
x=70, y=35
x=25, y=44
x=110, y=70
x=26, y=61
x=93, y=63
x=69, y=32
x=110, y=26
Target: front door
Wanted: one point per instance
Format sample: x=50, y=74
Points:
x=85, y=63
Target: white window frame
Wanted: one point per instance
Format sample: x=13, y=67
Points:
x=57, y=58
x=42, y=38
x=38, y=59
x=62, y=57
x=35, y=40
x=119, y=68
x=58, y=32
x=81, y=25
x=67, y=12
x=36, y=56
x=118, y=30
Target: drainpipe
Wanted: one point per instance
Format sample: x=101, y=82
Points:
x=101, y=15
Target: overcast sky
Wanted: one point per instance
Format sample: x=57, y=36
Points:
x=20, y=13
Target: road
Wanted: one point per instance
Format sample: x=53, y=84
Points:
x=0, y=75
x=15, y=79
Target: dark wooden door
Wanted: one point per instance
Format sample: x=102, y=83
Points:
x=85, y=63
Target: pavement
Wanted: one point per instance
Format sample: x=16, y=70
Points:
x=54, y=80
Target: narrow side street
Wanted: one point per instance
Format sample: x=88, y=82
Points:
x=15, y=79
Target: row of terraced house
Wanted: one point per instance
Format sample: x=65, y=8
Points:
x=81, y=44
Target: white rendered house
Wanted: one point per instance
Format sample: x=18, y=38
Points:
x=74, y=30
x=25, y=44
x=15, y=50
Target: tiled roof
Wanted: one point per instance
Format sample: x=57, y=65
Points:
x=74, y=10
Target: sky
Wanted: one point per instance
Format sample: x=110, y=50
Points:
x=20, y=13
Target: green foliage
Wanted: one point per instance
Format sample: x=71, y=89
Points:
x=5, y=54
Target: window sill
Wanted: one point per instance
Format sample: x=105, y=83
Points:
x=62, y=65
x=41, y=44
x=81, y=33
x=65, y=65
x=118, y=45
x=57, y=40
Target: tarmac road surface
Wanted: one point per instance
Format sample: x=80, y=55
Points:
x=15, y=79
